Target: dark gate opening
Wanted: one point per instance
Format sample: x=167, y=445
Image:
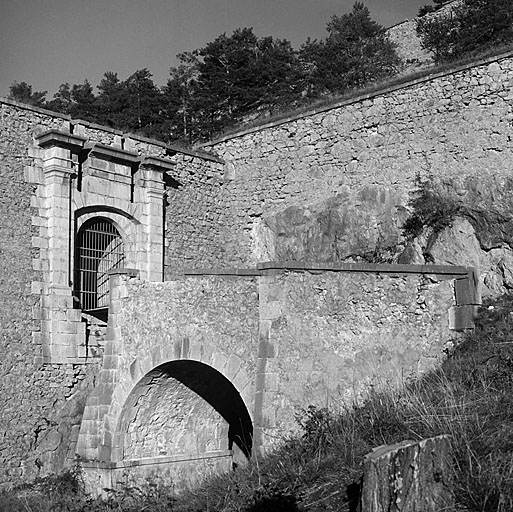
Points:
x=99, y=248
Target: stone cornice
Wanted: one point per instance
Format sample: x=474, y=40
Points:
x=161, y=164
x=60, y=139
x=112, y=154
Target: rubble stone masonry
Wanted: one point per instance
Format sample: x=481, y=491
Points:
x=37, y=416
x=47, y=360
x=263, y=194
x=367, y=153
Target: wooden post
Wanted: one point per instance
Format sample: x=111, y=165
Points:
x=408, y=477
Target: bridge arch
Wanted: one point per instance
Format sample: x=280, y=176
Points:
x=182, y=408
x=166, y=368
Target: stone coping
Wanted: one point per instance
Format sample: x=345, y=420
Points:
x=381, y=268
x=171, y=148
x=152, y=461
x=397, y=83
x=114, y=154
x=221, y=272
x=161, y=163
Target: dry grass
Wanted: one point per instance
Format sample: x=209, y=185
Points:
x=469, y=397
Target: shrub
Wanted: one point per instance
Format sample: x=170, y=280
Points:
x=431, y=209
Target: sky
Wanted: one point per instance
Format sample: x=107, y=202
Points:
x=48, y=42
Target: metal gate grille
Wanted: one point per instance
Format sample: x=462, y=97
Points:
x=99, y=249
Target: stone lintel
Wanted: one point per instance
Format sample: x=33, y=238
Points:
x=112, y=154
x=61, y=139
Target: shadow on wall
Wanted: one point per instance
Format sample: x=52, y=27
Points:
x=221, y=394
x=185, y=408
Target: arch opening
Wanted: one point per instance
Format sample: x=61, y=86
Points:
x=99, y=248
x=184, y=408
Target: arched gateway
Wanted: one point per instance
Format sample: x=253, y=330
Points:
x=182, y=421
x=171, y=401
x=182, y=408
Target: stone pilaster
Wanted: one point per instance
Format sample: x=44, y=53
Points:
x=63, y=334
x=151, y=172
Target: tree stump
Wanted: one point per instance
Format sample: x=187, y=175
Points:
x=408, y=477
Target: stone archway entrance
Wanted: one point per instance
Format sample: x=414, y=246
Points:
x=183, y=407
x=99, y=248
x=182, y=422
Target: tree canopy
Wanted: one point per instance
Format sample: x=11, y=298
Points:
x=22, y=92
x=435, y=6
x=233, y=79
x=356, y=52
x=469, y=27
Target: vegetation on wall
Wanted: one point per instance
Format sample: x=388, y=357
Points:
x=431, y=209
x=468, y=27
x=434, y=206
x=469, y=397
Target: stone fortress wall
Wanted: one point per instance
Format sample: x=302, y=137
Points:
x=320, y=190
x=334, y=184
x=42, y=399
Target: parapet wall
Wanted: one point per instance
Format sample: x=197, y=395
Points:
x=217, y=364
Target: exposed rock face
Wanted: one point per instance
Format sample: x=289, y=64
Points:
x=361, y=226
x=369, y=225
x=480, y=234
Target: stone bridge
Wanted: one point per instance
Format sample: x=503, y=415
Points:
x=202, y=371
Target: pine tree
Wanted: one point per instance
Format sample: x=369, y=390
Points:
x=22, y=92
x=356, y=52
x=112, y=100
x=471, y=27
x=83, y=104
x=62, y=100
x=243, y=74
